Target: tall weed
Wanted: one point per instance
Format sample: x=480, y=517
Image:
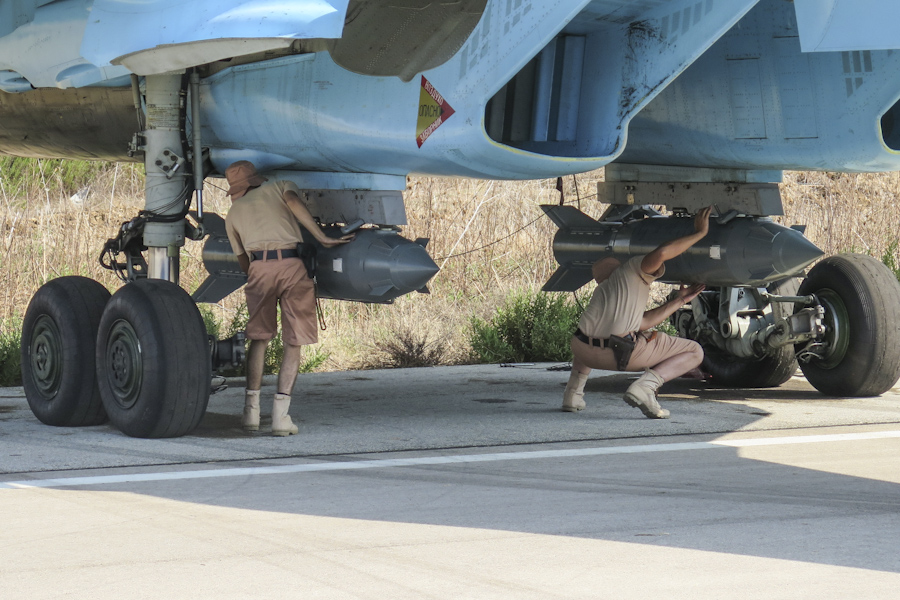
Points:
x=50, y=179
x=889, y=258
x=408, y=348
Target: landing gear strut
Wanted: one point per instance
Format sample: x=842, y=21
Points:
x=142, y=356
x=771, y=369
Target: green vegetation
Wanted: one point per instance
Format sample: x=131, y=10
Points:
x=210, y=321
x=530, y=326
x=48, y=178
x=10, y=354
x=889, y=258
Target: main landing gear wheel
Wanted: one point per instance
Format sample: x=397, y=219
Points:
x=153, y=360
x=58, y=338
x=861, y=354
x=770, y=371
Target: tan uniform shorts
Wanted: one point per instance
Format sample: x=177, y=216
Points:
x=286, y=281
x=646, y=353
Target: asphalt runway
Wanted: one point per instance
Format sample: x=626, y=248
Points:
x=464, y=482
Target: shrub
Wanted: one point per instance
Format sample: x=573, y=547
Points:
x=406, y=348
x=210, y=321
x=313, y=358
x=10, y=353
x=530, y=326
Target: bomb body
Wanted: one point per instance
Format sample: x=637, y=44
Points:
x=744, y=251
x=379, y=265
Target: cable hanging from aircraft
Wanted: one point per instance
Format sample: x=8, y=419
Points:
x=563, y=202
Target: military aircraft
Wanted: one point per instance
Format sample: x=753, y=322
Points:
x=686, y=103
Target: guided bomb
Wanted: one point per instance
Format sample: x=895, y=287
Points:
x=379, y=265
x=741, y=251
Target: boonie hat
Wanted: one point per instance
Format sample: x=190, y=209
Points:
x=242, y=176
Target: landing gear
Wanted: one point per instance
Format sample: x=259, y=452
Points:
x=840, y=325
x=770, y=370
x=58, y=340
x=859, y=355
x=142, y=356
x=152, y=359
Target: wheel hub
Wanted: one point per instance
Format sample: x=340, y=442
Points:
x=46, y=356
x=835, y=320
x=125, y=366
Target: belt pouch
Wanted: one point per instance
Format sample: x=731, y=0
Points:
x=622, y=349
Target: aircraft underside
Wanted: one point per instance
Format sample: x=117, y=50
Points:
x=686, y=102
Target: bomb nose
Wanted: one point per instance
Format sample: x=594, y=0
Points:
x=792, y=252
x=413, y=268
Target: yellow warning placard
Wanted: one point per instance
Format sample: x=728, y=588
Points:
x=433, y=111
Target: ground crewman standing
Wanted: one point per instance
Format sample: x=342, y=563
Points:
x=264, y=227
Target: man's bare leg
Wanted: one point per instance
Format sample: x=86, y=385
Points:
x=256, y=362
x=290, y=364
x=580, y=367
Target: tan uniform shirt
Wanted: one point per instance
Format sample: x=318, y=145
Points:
x=261, y=220
x=618, y=304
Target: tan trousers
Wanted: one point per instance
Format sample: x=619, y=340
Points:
x=281, y=281
x=646, y=353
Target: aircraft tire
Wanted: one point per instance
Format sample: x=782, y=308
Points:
x=861, y=297
x=153, y=360
x=770, y=371
x=59, y=333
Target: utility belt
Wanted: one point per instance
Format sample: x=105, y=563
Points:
x=273, y=254
x=303, y=251
x=622, y=347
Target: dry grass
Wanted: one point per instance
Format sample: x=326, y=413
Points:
x=489, y=237
x=845, y=212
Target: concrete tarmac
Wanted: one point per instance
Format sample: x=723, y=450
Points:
x=464, y=482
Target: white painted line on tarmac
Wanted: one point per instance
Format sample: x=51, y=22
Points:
x=440, y=460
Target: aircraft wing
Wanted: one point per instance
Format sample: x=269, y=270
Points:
x=157, y=36
x=95, y=42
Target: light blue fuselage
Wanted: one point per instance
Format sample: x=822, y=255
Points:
x=537, y=89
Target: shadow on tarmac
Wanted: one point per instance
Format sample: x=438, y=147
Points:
x=710, y=500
